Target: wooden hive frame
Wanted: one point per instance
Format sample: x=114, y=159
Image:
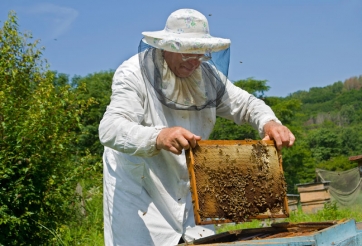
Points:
x=236, y=180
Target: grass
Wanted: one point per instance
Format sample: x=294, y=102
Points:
x=245, y=225
x=330, y=212
x=86, y=229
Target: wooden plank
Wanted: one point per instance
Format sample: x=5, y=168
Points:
x=318, y=195
x=236, y=180
x=286, y=234
x=193, y=187
x=313, y=207
x=312, y=187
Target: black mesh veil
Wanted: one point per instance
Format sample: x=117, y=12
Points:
x=203, y=89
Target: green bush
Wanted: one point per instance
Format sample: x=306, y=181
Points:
x=38, y=123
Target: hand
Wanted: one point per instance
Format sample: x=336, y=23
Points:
x=175, y=139
x=282, y=136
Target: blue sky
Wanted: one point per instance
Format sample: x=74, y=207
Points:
x=293, y=44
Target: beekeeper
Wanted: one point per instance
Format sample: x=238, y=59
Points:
x=165, y=99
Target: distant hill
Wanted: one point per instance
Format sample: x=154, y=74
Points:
x=340, y=103
x=328, y=130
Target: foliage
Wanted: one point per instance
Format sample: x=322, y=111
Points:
x=98, y=88
x=324, y=144
x=255, y=87
x=38, y=125
x=330, y=124
x=285, y=110
x=337, y=163
x=88, y=229
x=245, y=225
x=353, y=83
x=298, y=165
x=226, y=129
x=330, y=212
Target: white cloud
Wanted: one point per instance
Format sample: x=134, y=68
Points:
x=58, y=18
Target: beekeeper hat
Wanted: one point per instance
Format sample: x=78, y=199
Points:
x=186, y=31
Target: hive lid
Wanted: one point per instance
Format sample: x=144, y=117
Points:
x=236, y=180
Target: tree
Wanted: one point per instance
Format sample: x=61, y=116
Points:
x=324, y=144
x=353, y=83
x=298, y=165
x=285, y=109
x=255, y=87
x=98, y=89
x=38, y=125
x=338, y=163
x=227, y=129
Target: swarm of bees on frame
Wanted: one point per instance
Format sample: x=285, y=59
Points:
x=240, y=192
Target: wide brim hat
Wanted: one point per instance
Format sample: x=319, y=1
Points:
x=186, y=31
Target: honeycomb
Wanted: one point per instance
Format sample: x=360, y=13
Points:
x=235, y=181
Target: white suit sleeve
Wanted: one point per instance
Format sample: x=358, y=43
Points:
x=122, y=127
x=240, y=106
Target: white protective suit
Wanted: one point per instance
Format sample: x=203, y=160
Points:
x=147, y=198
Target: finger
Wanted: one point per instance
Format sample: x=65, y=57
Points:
x=291, y=139
x=266, y=137
x=193, y=140
x=278, y=143
x=288, y=138
x=175, y=150
x=284, y=136
x=183, y=143
x=277, y=139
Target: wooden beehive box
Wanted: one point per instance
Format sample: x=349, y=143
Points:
x=313, y=196
x=236, y=180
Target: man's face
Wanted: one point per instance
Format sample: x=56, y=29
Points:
x=180, y=67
